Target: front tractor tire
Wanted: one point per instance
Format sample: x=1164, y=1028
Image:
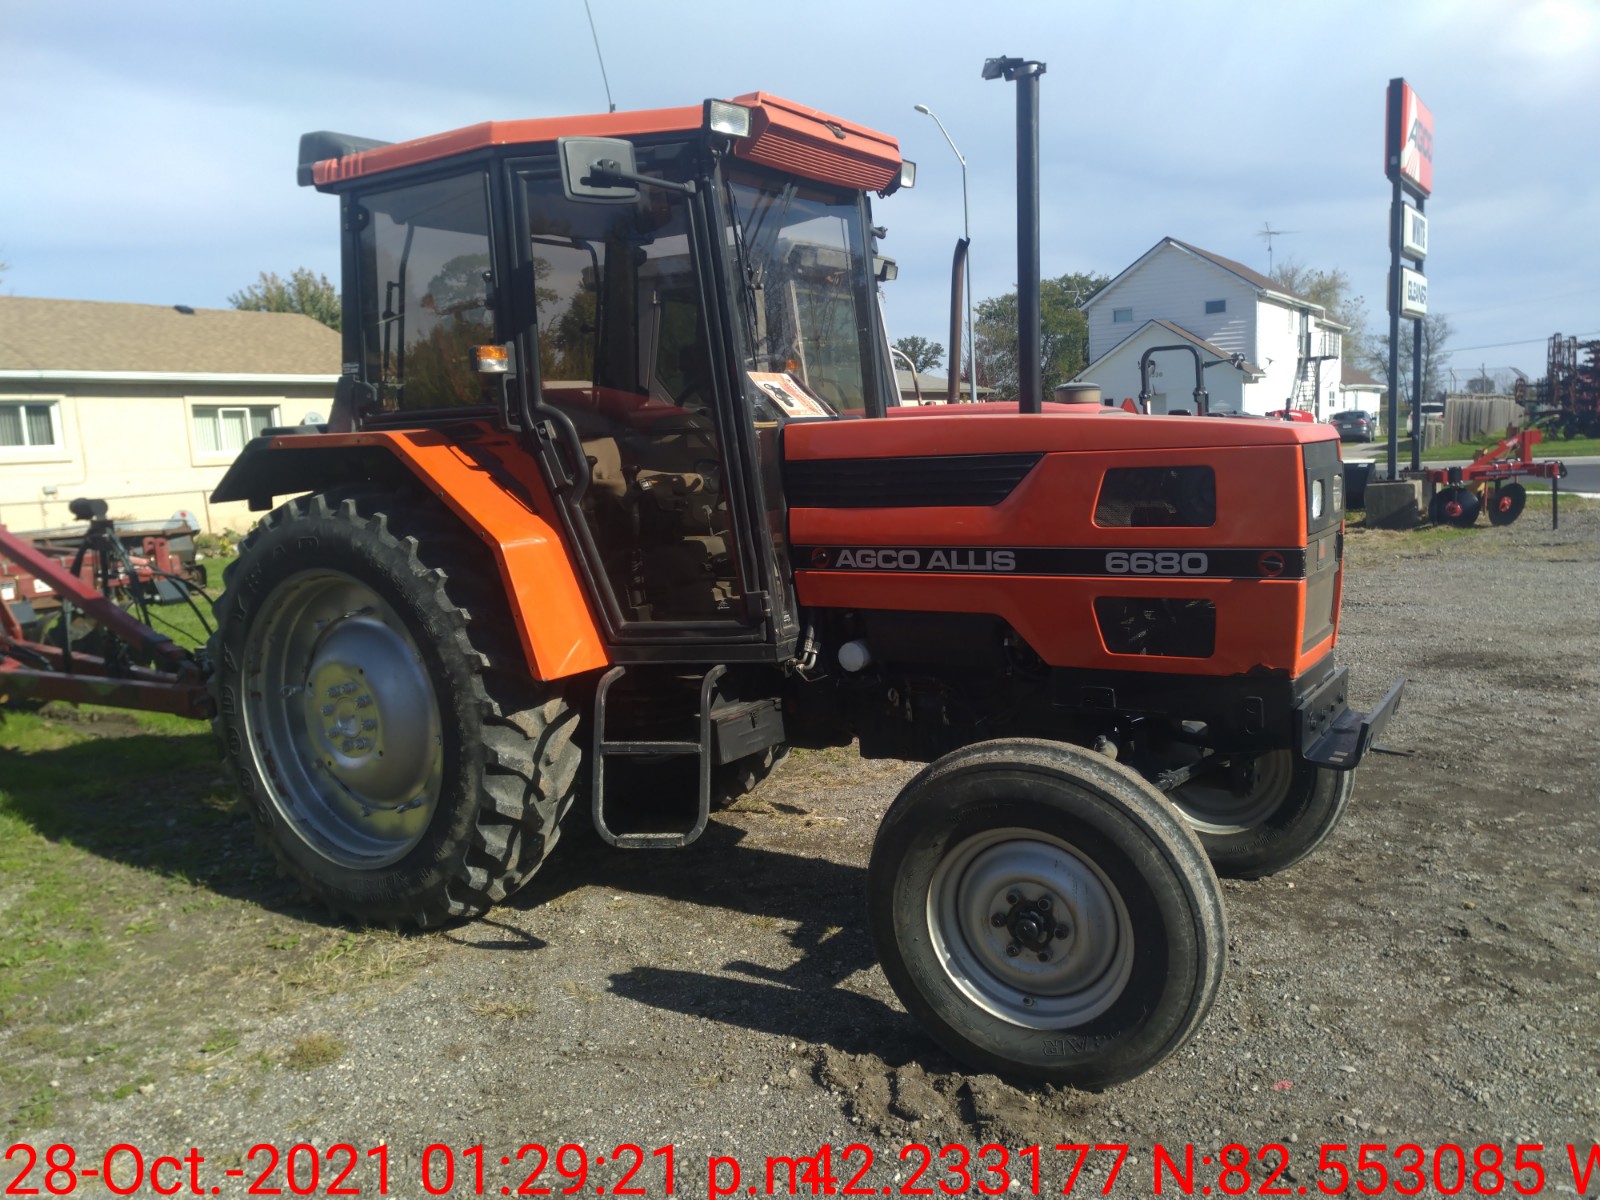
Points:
x=1045, y=914
x=376, y=713
x=1283, y=811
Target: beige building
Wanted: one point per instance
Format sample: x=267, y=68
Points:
x=145, y=406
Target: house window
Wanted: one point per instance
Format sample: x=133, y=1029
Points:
x=29, y=425
x=1122, y=316
x=1216, y=306
x=224, y=429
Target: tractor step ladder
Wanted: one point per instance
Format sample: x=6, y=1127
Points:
x=604, y=749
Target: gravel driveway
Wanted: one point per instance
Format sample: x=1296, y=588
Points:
x=1430, y=975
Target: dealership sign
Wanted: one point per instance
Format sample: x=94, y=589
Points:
x=1408, y=150
x=1413, y=234
x=1413, y=293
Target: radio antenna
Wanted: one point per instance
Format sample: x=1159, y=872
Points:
x=610, y=104
x=1267, y=232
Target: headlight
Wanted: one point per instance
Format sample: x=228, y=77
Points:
x=731, y=119
x=1318, y=499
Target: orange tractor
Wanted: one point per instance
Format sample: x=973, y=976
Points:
x=615, y=481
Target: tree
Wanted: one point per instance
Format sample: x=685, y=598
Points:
x=924, y=355
x=1436, y=333
x=1331, y=289
x=304, y=292
x=1063, y=333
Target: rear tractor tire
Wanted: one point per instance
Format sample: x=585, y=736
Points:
x=1045, y=914
x=376, y=712
x=1287, y=810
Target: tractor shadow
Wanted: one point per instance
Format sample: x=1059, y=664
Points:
x=154, y=802
x=158, y=803
x=816, y=906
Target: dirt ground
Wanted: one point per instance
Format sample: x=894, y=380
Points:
x=1431, y=975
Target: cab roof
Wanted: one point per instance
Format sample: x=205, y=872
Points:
x=784, y=134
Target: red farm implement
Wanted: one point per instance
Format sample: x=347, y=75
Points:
x=1489, y=483
x=65, y=629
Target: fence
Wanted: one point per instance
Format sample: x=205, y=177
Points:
x=1470, y=418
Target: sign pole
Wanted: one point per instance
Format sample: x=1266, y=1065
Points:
x=1416, y=379
x=1408, y=162
x=1396, y=214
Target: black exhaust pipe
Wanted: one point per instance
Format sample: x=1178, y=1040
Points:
x=952, y=391
x=1025, y=74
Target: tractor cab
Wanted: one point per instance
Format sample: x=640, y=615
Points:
x=643, y=300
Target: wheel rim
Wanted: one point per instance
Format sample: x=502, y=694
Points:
x=1214, y=808
x=342, y=720
x=1029, y=929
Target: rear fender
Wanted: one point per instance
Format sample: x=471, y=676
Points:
x=488, y=481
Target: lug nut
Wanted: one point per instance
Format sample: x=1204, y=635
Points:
x=327, y=710
x=363, y=701
x=1042, y=903
x=369, y=723
x=1044, y=956
x=334, y=690
x=1012, y=897
x=1063, y=932
x=997, y=920
x=1013, y=950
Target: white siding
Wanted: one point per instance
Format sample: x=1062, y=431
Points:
x=1331, y=380
x=134, y=446
x=1172, y=375
x=1173, y=285
x=1277, y=352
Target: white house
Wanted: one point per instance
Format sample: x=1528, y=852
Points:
x=1359, y=390
x=145, y=405
x=1263, y=348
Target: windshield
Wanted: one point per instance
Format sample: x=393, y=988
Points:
x=807, y=297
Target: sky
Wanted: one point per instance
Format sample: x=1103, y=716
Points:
x=149, y=149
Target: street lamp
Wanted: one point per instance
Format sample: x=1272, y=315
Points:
x=966, y=232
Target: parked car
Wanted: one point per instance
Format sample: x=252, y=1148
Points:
x=1353, y=426
x=1430, y=408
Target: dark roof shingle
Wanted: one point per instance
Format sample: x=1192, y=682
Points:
x=96, y=335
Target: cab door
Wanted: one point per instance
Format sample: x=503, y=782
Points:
x=618, y=322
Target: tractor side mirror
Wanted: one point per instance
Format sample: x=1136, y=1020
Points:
x=598, y=170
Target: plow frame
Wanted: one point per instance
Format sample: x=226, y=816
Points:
x=41, y=671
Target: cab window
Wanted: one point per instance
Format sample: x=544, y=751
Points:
x=427, y=291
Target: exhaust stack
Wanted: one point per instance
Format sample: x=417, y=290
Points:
x=952, y=394
x=1025, y=74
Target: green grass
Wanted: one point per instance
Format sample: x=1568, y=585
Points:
x=180, y=622
x=313, y=1050
x=141, y=927
x=1549, y=448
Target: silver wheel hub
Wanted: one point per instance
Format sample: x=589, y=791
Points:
x=342, y=719
x=1211, y=806
x=1029, y=929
